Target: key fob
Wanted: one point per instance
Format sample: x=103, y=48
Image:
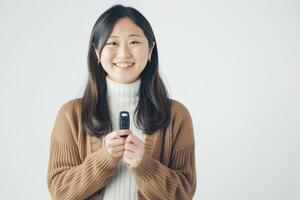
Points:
x=124, y=121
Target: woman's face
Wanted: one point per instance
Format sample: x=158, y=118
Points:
x=126, y=52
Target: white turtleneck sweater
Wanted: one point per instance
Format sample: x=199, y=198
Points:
x=122, y=97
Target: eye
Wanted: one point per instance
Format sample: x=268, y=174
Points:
x=134, y=42
x=111, y=43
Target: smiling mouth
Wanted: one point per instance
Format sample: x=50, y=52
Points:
x=123, y=65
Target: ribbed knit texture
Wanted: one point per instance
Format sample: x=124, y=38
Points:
x=80, y=167
x=122, y=97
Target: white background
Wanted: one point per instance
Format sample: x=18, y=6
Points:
x=234, y=64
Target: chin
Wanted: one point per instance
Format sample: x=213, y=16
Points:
x=127, y=81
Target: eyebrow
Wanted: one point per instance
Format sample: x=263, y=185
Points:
x=131, y=35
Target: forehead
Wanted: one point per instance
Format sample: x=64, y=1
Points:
x=125, y=27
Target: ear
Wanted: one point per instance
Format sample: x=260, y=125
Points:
x=96, y=50
x=151, y=49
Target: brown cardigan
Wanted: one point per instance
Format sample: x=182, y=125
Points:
x=79, y=166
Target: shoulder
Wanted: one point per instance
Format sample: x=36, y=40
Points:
x=179, y=113
x=70, y=107
x=67, y=121
x=181, y=125
x=69, y=113
x=71, y=104
x=178, y=108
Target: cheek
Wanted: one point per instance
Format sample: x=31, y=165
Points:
x=106, y=56
x=141, y=55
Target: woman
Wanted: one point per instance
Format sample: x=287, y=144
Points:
x=90, y=158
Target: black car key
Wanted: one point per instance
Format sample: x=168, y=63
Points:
x=124, y=121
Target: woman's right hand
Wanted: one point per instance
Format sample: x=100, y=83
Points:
x=115, y=144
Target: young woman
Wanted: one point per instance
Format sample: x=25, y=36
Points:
x=90, y=157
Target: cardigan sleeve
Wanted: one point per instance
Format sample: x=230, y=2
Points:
x=69, y=177
x=178, y=179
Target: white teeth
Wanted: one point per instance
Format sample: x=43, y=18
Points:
x=123, y=65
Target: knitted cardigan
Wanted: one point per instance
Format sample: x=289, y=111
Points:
x=80, y=166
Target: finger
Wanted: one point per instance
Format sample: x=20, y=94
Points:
x=118, y=154
x=124, y=132
x=131, y=147
x=130, y=154
x=129, y=138
x=117, y=149
x=111, y=135
x=127, y=159
x=133, y=139
x=116, y=142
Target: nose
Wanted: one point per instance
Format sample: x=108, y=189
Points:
x=124, y=52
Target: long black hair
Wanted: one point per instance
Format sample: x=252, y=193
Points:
x=154, y=106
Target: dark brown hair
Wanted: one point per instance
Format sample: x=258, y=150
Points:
x=153, y=109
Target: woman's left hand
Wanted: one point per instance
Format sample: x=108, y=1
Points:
x=134, y=151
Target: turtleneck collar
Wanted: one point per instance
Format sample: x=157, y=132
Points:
x=121, y=96
x=122, y=89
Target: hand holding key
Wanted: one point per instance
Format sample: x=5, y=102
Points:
x=115, y=141
x=115, y=144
